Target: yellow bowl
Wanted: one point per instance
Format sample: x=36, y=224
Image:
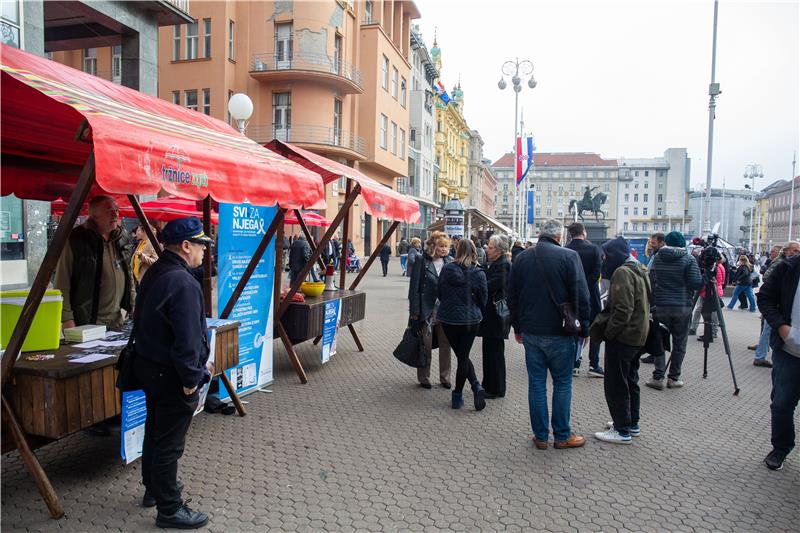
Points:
x=312, y=288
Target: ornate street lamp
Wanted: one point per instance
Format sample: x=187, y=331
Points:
x=241, y=109
x=751, y=172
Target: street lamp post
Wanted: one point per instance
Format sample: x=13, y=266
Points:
x=791, y=199
x=518, y=71
x=751, y=172
x=713, y=92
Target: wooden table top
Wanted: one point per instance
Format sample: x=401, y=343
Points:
x=327, y=296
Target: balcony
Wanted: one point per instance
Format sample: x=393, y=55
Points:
x=307, y=67
x=335, y=141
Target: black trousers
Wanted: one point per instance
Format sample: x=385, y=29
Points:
x=494, y=366
x=461, y=339
x=169, y=414
x=385, y=267
x=621, y=384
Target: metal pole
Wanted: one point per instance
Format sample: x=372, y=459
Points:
x=791, y=200
x=724, y=221
x=516, y=162
x=752, y=204
x=758, y=233
x=713, y=91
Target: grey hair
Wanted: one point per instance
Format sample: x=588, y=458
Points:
x=500, y=242
x=788, y=245
x=552, y=228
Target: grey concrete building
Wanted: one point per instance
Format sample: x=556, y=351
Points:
x=727, y=209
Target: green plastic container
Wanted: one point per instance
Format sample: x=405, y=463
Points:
x=45, y=331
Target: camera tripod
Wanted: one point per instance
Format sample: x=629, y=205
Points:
x=711, y=305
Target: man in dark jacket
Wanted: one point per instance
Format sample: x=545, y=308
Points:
x=299, y=254
x=171, y=353
x=624, y=325
x=386, y=253
x=542, y=278
x=93, y=272
x=674, y=276
x=516, y=250
x=592, y=262
x=778, y=301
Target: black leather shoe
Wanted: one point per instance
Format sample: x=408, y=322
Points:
x=183, y=518
x=447, y=385
x=490, y=396
x=774, y=460
x=426, y=385
x=149, y=501
x=648, y=360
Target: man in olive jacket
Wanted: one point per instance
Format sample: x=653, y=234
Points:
x=624, y=325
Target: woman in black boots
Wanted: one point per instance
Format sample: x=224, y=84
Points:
x=462, y=294
x=494, y=329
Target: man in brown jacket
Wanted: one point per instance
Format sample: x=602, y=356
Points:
x=624, y=325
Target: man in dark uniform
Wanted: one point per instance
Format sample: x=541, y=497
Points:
x=592, y=261
x=171, y=354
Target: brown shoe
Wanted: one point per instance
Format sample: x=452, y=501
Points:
x=574, y=441
x=540, y=444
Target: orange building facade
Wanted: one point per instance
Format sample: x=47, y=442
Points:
x=330, y=76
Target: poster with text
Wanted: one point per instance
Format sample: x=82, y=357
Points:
x=330, y=328
x=241, y=228
x=134, y=414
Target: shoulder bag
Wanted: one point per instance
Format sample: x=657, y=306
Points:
x=126, y=378
x=569, y=318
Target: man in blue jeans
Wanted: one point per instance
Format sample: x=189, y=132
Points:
x=779, y=301
x=790, y=249
x=538, y=324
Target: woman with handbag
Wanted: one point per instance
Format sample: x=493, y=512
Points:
x=496, y=322
x=423, y=300
x=462, y=293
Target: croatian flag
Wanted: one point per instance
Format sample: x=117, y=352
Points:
x=526, y=157
x=520, y=157
x=442, y=92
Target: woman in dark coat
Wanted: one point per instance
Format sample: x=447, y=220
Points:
x=494, y=330
x=423, y=301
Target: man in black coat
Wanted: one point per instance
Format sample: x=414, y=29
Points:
x=171, y=353
x=299, y=254
x=592, y=261
x=386, y=253
x=778, y=302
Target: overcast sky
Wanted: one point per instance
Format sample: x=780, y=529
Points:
x=630, y=78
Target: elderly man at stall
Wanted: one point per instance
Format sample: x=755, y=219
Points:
x=93, y=272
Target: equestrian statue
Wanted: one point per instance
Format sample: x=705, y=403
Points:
x=587, y=203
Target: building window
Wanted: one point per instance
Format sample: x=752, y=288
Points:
x=625, y=226
x=368, y=12
x=646, y=173
x=660, y=211
x=625, y=211
x=337, y=121
x=190, y=99
x=646, y=184
x=283, y=45
x=403, y=92
x=644, y=225
x=660, y=197
x=231, y=39
x=116, y=63
x=384, y=127
x=207, y=101
x=282, y=115
x=636, y=173
x=206, y=38
x=644, y=211
x=635, y=197
x=176, y=42
x=337, y=53
x=607, y=187
x=394, y=83
x=90, y=61
x=191, y=41
x=394, y=138
x=402, y=143
x=635, y=226
x=627, y=196
x=176, y=97
x=10, y=23
x=385, y=73
x=635, y=211
x=636, y=185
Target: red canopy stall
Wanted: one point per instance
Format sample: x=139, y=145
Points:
x=67, y=134
x=165, y=208
x=379, y=201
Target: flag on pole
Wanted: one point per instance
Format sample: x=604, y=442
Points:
x=519, y=160
x=530, y=154
x=442, y=92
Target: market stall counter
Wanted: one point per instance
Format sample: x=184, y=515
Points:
x=303, y=320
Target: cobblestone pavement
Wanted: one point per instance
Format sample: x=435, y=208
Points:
x=361, y=447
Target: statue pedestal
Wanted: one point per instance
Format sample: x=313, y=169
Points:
x=596, y=232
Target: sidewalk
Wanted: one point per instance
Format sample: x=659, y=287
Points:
x=361, y=447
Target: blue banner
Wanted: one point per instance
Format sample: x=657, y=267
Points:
x=530, y=207
x=241, y=228
x=330, y=327
x=134, y=413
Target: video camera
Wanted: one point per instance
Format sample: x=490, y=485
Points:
x=709, y=256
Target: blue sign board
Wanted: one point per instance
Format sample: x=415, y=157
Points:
x=330, y=325
x=134, y=413
x=530, y=207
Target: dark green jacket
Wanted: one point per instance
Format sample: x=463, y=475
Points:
x=627, y=312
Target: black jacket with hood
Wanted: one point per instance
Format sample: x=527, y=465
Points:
x=674, y=276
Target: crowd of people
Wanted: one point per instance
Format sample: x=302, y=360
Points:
x=549, y=294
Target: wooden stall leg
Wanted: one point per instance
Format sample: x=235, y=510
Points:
x=232, y=392
x=345, y=253
x=298, y=367
x=309, y=237
x=32, y=463
x=207, y=259
x=375, y=253
x=137, y=207
x=355, y=337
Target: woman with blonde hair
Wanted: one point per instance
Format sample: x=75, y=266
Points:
x=413, y=254
x=144, y=255
x=423, y=301
x=462, y=293
x=744, y=283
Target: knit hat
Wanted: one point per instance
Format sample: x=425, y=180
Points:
x=617, y=252
x=675, y=239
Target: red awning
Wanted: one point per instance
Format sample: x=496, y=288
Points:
x=311, y=219
x=380, y=201
x=142, y=144
x=165, y=208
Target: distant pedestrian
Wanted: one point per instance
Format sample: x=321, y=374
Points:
x=423, y=302
x=402, y=251
x=299, y=254
x=494, y=330
x=592, y=262
x=414, y=251
x=482, y=260
x=386, y=254
x=742, y=278
x=543, y=279
x=516, y=250
x=623, y=325
x=462, y=293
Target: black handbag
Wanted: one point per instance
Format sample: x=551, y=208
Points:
x=502, y=310
x=126, y=377
x=569, y=318
x=411, y=349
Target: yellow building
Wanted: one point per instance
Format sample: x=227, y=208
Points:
x=452, y=141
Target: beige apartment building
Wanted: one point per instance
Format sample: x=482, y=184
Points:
x=329, y=76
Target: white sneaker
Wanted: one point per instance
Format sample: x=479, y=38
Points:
x=612, y=436
x=635, y=431
x=576, y=372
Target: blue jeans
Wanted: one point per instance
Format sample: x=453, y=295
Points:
x=747, y=290
x=403, y=262
x=556, y=354
x=594, y=356
x=763, y=342
x=785, y=396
